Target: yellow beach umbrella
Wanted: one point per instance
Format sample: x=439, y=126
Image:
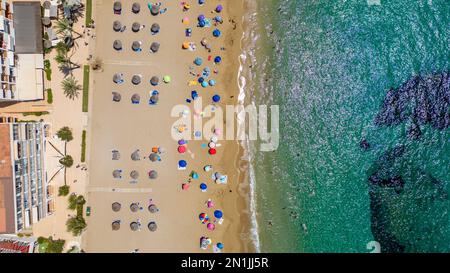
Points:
x=185, y=20
x=185, y=45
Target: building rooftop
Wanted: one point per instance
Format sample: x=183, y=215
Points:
x=7, y=210
x=27, y=23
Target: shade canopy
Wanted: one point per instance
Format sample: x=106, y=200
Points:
x=152, y=208
x=117, y=78
x=155, y=47
x=152, y=226
x=136, y=45
x=136, y=79
x=134, y=174
x=117, y=26
x=218, y=214
x=117, y=44
x=117, y=174
x=116, y=206
x=135, y=27
x=115, y=225
x=117, y=6
x=155, y=28
x=154, y=99
x=154, y=81
x=153, y=174
x=135, y=98
x=134, y=226
x=182, y=163
x=153, y=157
x=134, y=207
x=135, y=156
x=154, y=10
x=136, y=7
x=115, y=155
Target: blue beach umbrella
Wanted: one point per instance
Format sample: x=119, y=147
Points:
x=216, y=98
x=201, y=17
x=219, y=8
x=201, y=2
x=182, y=142
x=201, y=79
x=194, y=95
x=216, y=33
x=212, y=82
x=219, y=245
x=217, y=59
x=202, y=23
x=194, y=175
x=204, y=84
x=203, y=186
x=218, y=214
x=198, y=61
x=182, y=163
x=218, y=19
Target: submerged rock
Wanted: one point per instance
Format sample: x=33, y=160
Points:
x=364, y=144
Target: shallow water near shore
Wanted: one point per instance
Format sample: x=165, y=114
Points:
x=329, y=65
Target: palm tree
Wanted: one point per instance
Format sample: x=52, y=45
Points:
x=65, y=64
x=76, y=225
x=65, y=134
x=64, y=26
x=71, y=87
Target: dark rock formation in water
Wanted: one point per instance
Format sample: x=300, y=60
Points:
x=364, y=144
x=402, y=194
x=421, y=100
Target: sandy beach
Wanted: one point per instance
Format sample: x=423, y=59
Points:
x=128, y=127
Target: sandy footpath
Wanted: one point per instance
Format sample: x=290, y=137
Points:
x=127, y=127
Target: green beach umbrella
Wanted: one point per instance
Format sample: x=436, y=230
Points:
x=167, y=79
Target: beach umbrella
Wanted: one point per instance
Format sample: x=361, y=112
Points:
x=153, y=157
x=134, y=174
x=218, y=214
x=185, y=45
x=219, y=8
x=135, y=156
x=204, y=84
x=154, y=81
x=182, y=142
x=117, y=45
x=155, y=28
x=201, y=17
x=181, y=149
x=136, y=8
x=46, y=4
x=198, y=61
x=154, y=10
x=216, y=98
x=202, y=23
x=207, y=168
x=212, y=151
x=212, y=145
x=155, y=47
x=152, y=208
x=116, y=206
x=211, y=226
x=201, y=2
x=212, y=82
x=185, y=186
x=115, y=155
x=136, y=45
x=217, y=175
x=182, y=164
x=185, y=20
x=203, y=217
x=216, y=33
x=204, y=42
x=201, y=79
x=154, y=99
x=217, y=59
x=219, y=245
x=152, y=226
x=136, y=79
x=117, y=174
x=194, y=175
x=47, y=44
x=135, y=99
x=214, y=139
x=116, y=96
x=153, y=174
x=135, y=27
x=134, y=226
x=210, y=204
x=134, y=207
x=203, y=186
x=217, y=132
x=115, y=225
x=117, y=6
x=117, y=26
x=167, y=79
x=218, y=19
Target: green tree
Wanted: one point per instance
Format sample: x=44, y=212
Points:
x=76, y=225
x=65, y=27
x=65, y=134
x=63, y=190
x=66, y=161
x=71, y=87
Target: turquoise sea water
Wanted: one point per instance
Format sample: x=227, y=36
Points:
x=329, y=65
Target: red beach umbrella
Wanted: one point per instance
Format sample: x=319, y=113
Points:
x=181, y=149
x=212, y=151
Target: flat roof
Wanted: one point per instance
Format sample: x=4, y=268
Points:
x=28, y=27
x=30, y=77
x=7, y=211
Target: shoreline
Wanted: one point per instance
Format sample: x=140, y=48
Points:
x=177, y=223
